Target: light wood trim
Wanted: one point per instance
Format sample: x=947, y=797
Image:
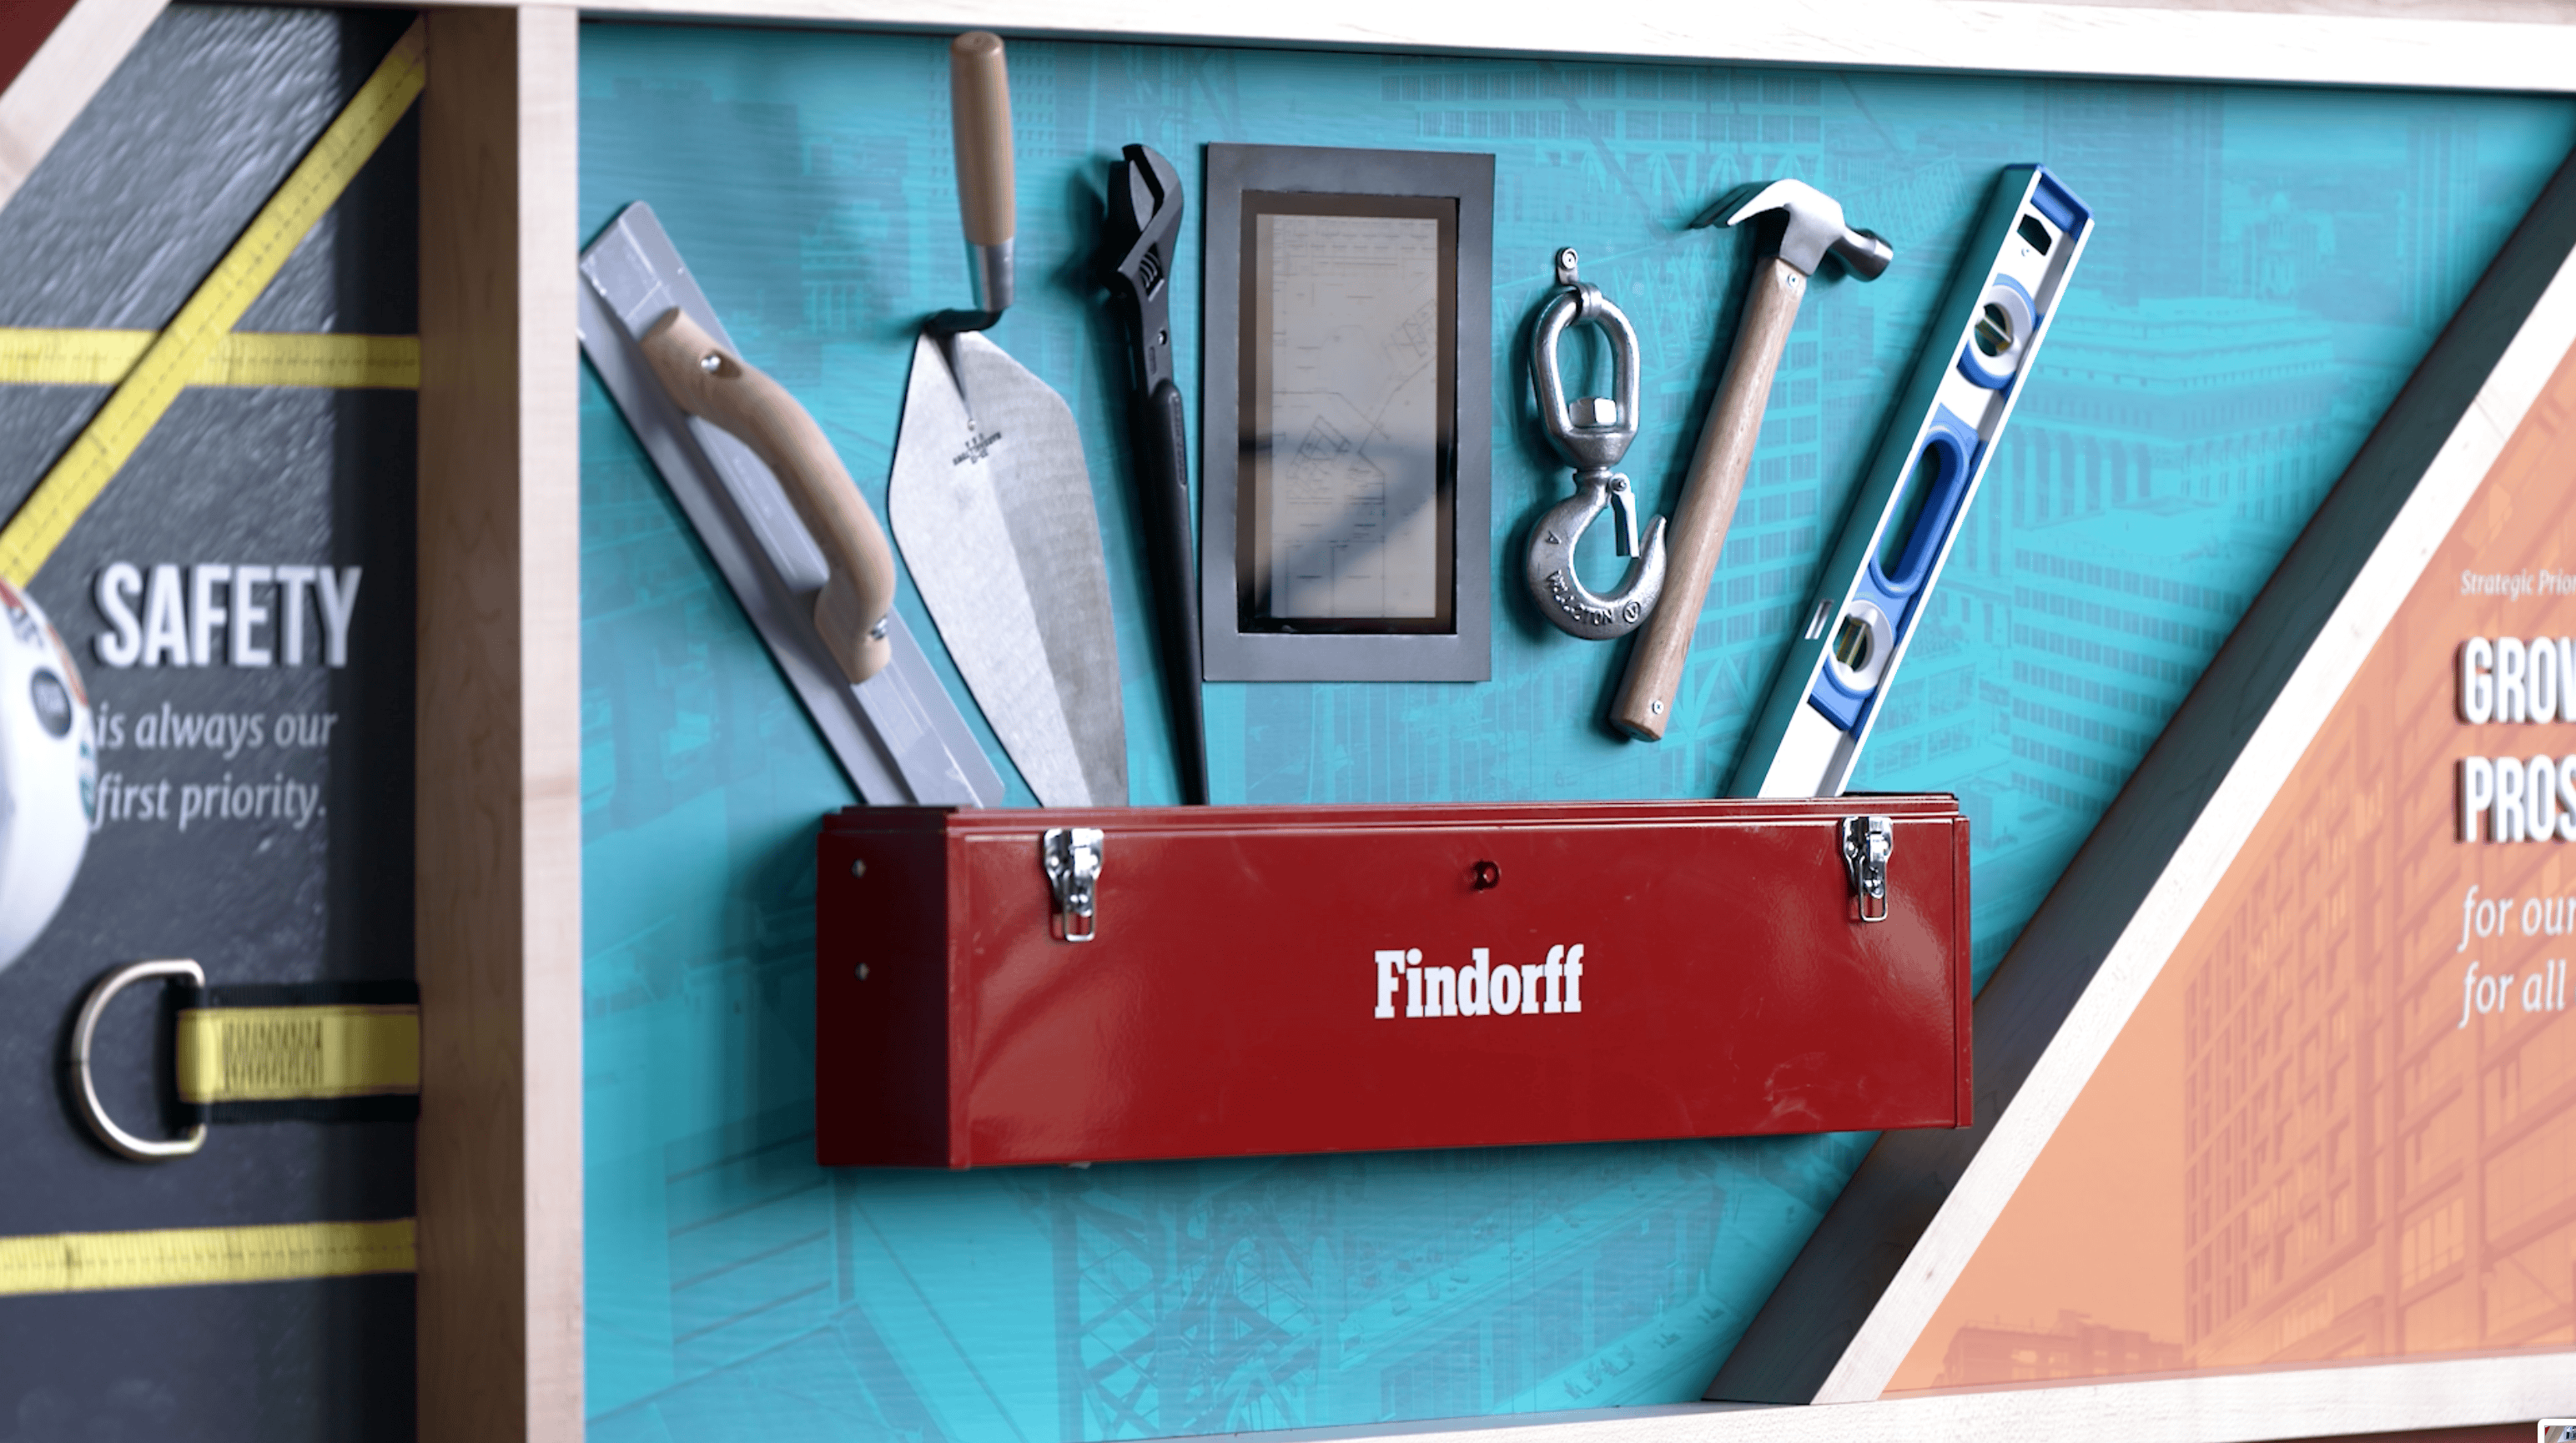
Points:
x=2445, y=44
x=2306, y=1403
x=60, y=79
x=498, y=773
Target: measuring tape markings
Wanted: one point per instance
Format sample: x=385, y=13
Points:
x=180, y=351
x=37, y=357
x=180, y=1257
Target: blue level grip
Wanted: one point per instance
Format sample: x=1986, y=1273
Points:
x=2051, y=198
x=1929, y=502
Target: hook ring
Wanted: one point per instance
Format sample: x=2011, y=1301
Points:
x=1591, y=433
x=85, y=1030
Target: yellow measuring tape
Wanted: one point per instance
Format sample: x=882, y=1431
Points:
x=179, y=1257
x=30, y=357
x=174, y=357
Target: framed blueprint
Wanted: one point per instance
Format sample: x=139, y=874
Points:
x=1348, y=482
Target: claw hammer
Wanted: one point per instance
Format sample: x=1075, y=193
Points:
x=1815, y=228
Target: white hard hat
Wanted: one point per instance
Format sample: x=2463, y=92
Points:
x=48, y=772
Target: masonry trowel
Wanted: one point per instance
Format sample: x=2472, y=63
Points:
x=991, y=501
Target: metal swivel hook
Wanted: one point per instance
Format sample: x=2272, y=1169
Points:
x=1591, y=435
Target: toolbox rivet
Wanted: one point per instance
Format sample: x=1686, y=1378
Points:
x=863, y=972
x=858, y=867
x=1488, y=876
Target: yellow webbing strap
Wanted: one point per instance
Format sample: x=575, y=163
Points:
x=276, y=1054
x=179, y=352
x=31, y=357
x=176, y=1257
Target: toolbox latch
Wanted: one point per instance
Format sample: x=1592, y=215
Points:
x=1072, y=858
x=1867, y=842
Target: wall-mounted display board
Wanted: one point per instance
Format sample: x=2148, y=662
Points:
x=2313, y=238
x=237, y=596
x=2271, y=264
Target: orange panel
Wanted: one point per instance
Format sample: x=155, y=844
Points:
x=2342, y=1123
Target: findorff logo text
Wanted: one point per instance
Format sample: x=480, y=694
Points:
x=1480, y=989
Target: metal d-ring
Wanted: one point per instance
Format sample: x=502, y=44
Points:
x=118, y=1140
x=1591, y=434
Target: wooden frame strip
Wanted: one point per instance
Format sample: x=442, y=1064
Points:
x=498, y=781
x=2303, y=1403
x=498, y=883
x=2462, y=45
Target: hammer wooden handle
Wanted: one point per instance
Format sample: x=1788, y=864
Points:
x=851, y=611
x=1709, y=493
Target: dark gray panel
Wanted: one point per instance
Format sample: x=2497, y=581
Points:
x=323, y=1359
x=119, y=225
x=153, y=182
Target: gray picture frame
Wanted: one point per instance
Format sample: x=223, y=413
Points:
x=1231, y=653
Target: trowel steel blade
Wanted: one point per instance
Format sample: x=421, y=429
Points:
x=898, y=736
x=994, y=515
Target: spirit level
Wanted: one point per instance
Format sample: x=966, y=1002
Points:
x=1879, y=577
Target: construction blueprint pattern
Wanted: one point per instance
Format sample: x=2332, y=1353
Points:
x=2271, y=263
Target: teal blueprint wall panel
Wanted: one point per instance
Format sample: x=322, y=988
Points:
x=2270, y=265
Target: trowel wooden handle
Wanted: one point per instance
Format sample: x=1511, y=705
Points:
x=707, y=380
x=979, y=105
x=1709, y=493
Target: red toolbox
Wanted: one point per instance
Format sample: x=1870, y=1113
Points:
x=1012, y=986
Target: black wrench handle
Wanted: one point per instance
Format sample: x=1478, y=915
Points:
x=1163, y=498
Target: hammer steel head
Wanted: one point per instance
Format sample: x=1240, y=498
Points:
x=1816, y=226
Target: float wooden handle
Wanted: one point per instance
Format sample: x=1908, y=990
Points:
x=979, y=106
x=707, y=380
x=1709, y=493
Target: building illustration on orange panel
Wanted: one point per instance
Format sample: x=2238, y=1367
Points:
x=1986, y=1353
x=2340, y=1121
x=2374, y=1167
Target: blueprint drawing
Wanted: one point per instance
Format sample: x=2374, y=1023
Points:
x=1350, y=414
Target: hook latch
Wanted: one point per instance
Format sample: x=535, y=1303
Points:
x=1867, y=844
x=1072, y=859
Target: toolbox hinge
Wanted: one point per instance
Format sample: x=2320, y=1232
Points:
x=1072, y=858
x=1867, y=843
